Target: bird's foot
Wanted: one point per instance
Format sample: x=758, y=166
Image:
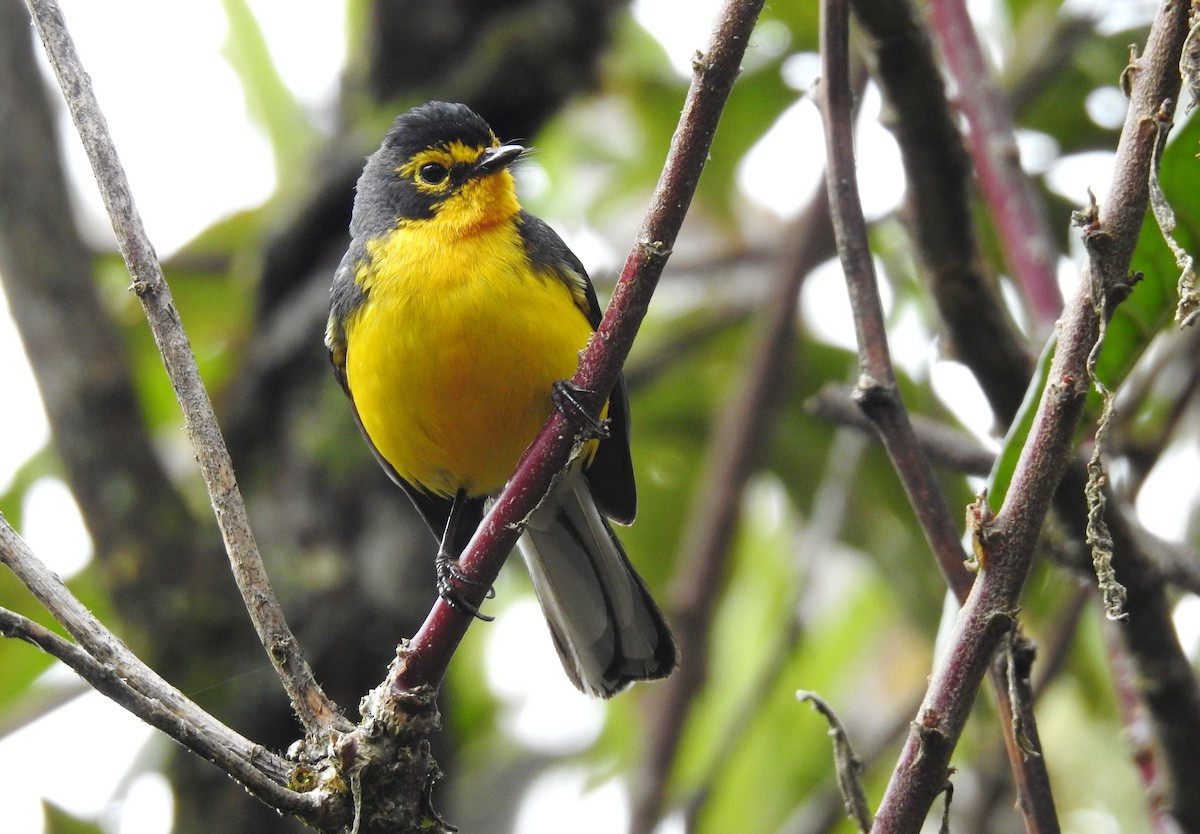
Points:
x=449, y=577
x=567, y=398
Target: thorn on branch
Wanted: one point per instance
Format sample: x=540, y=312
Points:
x=1087, y=218
x=141, y=288
x=1126, y=79
x=654, y=250
x=979, y=518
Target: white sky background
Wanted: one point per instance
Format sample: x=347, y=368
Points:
x=165, y=59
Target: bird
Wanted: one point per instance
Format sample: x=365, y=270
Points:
x=456, y=320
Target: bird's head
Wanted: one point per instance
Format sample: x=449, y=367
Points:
x=440, y=165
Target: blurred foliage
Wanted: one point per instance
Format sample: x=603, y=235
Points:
x=59, y=821
x=846, y=604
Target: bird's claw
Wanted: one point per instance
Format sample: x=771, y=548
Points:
x=449, y=575
x=566, y=397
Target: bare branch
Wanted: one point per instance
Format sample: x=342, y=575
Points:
x=1009, y=539
x=879, y=398
x=315, y=710
x=428, y=654
x=938, y=201
x=1018, y=215
x=876, y=393
x=106, y=663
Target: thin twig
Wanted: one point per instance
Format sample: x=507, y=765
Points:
x=1009, y=539
x=315, y=710
x=105, y=662
x=822, y=810
x=848, y=765
x=876, y=392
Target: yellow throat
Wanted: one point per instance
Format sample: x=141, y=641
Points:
x=451, y=358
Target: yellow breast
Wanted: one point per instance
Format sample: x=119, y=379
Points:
x=451, y=359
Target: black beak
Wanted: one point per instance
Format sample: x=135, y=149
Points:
x=494, y=159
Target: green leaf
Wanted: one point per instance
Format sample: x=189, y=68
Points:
x=1150, y=307
x=782, y=752
x=1018, y=433
x=269, y=101
x=59, y=821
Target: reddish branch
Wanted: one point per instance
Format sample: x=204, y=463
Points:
x=1009, y=539
x=425, y=659
x=1018, y=215
x=876, y=393
x=939, y=172
x=880, y=400
x=940, y=187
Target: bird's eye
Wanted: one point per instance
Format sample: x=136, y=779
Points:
x=432, y=173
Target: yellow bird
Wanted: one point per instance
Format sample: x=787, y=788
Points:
x=454, y=315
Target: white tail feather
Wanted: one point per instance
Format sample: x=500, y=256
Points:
x=606, y=627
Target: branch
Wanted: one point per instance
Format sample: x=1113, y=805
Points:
x=79, y=359
x=945, y=446
x=926, y=133
x=938, y=198
x=425, y=659
x=316, y=711
x=876, y=392
x=704, y=551
x=101, y=659
x=1008, y=539
x=1018, y=215
x=879, y=397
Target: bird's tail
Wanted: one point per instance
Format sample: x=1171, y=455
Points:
x=606, y=627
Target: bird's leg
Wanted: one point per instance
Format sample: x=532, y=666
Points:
x=566, y=397
x=448, y=572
